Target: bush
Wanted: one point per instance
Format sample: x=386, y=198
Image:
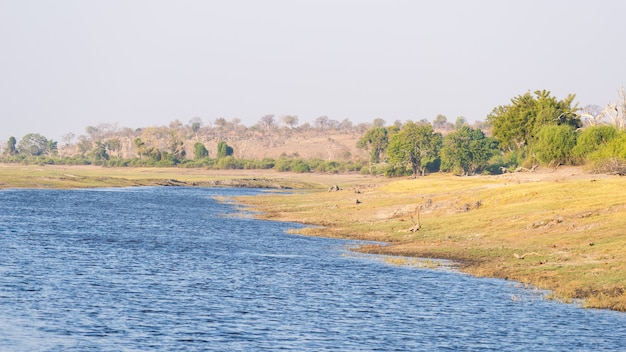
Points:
x=264, y=164
x=300, y=166
x=593, y=138
x=554, y=145
x=294, y=165
x=329, y=167
x=228, y=162
x=283, y=165
x=614, y=149
x=397, y=171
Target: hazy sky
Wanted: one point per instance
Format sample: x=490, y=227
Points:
x=65, y=65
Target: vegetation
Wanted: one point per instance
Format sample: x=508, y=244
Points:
x=376, y=141
x=467, y=151
x=554, y=145
x=535, y=129
x=517, y=125
x=415, y=146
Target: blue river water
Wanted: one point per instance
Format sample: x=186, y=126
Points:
x=172, y=269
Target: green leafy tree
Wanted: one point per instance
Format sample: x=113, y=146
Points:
x=11, y=146
x=140, y=147
x=99, y=152
x=460, y=122
x=52, y=148
x=33, y=144
x=376, y=142
x=223, y=149
x=517, y=125
x=200, y=151
x=84, y=145
x=467, y=151
x=113, y=145
x=414, y=146
x=554, y=145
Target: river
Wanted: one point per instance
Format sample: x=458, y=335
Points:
x=172, y=269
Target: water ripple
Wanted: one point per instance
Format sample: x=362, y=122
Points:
x=162, y=269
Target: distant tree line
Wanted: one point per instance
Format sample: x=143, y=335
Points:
x=534, y=129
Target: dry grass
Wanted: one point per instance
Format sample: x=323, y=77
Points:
x=63, y=176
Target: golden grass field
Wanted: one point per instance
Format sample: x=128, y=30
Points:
x=562, y=230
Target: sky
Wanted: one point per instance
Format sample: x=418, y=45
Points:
x=69, y=64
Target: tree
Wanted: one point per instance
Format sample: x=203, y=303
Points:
x=616, y=113
x=440, y=122
x=517, y=125
x=84, y=145
x=200, y=151
x=223, y=149
x=220, y=122
x=460, y=122
x=467, y=150
x=345, y=125
x=34, y=144
x=268, y=122
x=321, y=122
x=376, y=141
x=113, y=145
x=99, y=152
x=140, y=147
x=290, y=120
x=68, y=137
x=52, y=148
x=378, y=122
x=11, y=149
x=196, y=124
x=414, y=146
x=554, y=145
x=177, y=147
x=175, y=125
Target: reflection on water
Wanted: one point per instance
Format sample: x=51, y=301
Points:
x=166, y=269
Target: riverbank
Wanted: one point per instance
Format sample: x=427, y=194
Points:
x=561, y=230
x=67, y=176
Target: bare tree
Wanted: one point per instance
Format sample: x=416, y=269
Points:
x=321, y=122
x=290, y=120
x=440, y=122
x=378, y=122
x=592, y=115
x=267, y=122
x=220, y=122
x=616, y=112
x=68, y=137
x=620, y=110
x=345, y=125
x=176, y=124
